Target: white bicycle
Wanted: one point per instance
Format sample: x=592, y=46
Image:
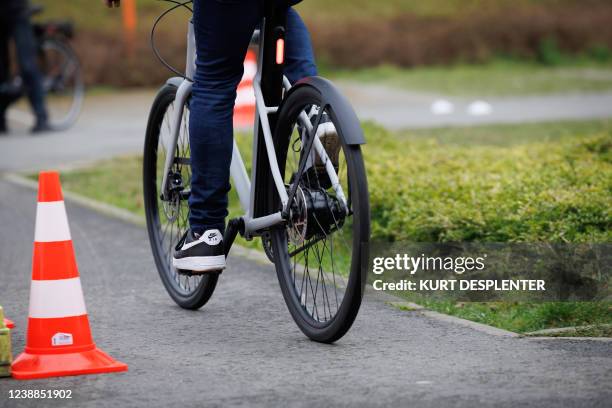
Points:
x=309, y=205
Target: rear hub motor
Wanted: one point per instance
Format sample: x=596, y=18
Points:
x=314, y=213
x=172, y=199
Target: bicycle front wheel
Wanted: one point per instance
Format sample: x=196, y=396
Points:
x=321, y=254
x=167, y=216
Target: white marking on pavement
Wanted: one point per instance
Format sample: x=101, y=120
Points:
x=442, y=107
x=479, y=108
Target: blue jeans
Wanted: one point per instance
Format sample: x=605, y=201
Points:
x=223, y=30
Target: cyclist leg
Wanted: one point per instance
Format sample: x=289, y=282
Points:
x=299, y=57
x=25, y=44
x=4, y=72
x=223, y=31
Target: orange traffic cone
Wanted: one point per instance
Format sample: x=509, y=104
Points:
x=244, y=108
x=59, y=340
x=8, y=323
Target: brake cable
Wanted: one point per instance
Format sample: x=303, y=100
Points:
x=177, y=4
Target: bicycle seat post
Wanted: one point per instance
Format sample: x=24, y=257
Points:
x=273, y=28
x=271, y=77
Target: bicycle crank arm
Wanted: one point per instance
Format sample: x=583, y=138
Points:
x=234, y=226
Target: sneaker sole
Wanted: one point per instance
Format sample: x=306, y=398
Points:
x=200, y=263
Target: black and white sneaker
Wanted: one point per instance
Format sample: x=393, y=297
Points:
x=200, y=253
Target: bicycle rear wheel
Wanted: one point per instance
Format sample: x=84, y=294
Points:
x=62, y=82
x=167, y=218
x=321, y=254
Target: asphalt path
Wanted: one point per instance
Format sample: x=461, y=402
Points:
x=243, y=349
x=110, y=125
x=402, y=109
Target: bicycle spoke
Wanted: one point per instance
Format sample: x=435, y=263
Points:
x=324, y=285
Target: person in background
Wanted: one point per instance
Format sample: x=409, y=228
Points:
x=15, y=24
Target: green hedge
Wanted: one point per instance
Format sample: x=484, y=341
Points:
x=426, y=190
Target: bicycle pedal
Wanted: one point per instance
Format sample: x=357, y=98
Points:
x=197, y=273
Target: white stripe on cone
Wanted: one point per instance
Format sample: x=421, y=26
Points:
x=245, y=96
x=51, y=222
x=250, y=69
x=56, y=298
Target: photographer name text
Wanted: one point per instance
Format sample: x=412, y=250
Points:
x=463, y=284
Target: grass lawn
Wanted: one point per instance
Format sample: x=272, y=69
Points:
x=497, y=78
x=546, y=182
x=528, y=317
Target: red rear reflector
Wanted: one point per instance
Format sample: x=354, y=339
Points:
x=280, y=51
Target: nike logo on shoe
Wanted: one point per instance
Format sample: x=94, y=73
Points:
x=210, y=237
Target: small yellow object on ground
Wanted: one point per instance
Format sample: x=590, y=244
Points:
x=5, y=348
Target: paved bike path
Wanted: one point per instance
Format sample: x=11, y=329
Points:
x=243, y=349
x=403, y=109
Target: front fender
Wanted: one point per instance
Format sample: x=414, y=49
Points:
x=175, y=81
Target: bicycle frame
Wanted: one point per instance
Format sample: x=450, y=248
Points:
x=254, y=223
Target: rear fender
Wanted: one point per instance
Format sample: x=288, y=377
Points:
x=339, y=107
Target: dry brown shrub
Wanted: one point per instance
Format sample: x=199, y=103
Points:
x=405, y=40
x=106, y=59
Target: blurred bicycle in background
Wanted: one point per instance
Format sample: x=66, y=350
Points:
x=62, y=78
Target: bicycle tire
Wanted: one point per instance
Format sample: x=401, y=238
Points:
x=204, y=288
x=337, y=326
x=54, y=86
